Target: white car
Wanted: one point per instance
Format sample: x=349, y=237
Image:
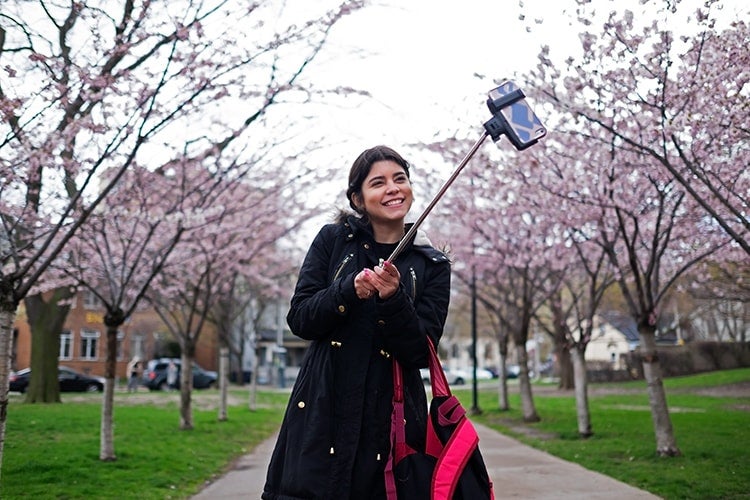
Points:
x=458, y=376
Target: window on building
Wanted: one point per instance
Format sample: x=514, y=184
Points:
x=91, y=301
x=89, y=344
x=137, y=345
x=66, y=344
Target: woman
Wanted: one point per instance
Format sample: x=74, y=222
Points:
x=133, y=369
x=359, y=314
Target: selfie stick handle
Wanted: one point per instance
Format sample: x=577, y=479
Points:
x=413, y=229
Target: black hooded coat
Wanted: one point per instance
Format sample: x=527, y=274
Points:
x=334, y=439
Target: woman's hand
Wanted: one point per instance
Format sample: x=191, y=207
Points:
x=362, y=285
x=383, y=280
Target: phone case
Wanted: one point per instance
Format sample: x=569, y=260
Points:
x=522, y=126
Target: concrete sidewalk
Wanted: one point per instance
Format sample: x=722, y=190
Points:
x=516, y=470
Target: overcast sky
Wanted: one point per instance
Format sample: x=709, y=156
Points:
x=420, y=60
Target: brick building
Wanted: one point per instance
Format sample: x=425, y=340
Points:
x=83, y=339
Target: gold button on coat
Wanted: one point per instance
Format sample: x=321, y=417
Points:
x=342, y=308
x=301, y=404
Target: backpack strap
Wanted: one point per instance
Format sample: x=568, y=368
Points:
x=438, y=382
x=433, y=446
x=398, y=433
x=453, y=460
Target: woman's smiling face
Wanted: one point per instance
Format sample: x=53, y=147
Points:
x=386, y=193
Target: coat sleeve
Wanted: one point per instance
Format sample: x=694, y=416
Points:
x=405, y=326
x=317, y=307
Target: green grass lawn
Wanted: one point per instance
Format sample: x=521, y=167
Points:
x=712, y=429
x=52, y=451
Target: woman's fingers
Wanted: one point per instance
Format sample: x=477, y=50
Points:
x=391, y=269
x=388, y=279
x=382, y=280
x=362, y=284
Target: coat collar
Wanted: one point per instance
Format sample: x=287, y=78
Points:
x=421, y=243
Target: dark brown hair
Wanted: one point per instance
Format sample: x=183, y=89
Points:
x=362, y=166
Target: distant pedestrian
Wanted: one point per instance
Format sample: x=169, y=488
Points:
x=134, y=374
x=172, y=375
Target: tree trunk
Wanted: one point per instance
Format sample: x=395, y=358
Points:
x=252, y=402
x=8, y=309
x=565, y=368
x=527, y=401
x=582, y=392
x=240, y=360
x=666, y=445
x=186, y=389
x=223, y=369
x=502, y=396
x=113, y=321
x=239, y=372
x=502, y=389
x=46, y=319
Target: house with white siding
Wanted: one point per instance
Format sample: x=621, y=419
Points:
x=613, y=337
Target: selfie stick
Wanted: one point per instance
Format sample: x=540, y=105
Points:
x=413, y=229
x=501, y=98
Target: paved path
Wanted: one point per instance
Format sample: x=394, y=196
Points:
x=517, y=471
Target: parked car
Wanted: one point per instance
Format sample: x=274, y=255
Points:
x=458, y=376
x=512, y=371
x=155, y=375
x=484, y=374
x=270, y=375
x=69, y=380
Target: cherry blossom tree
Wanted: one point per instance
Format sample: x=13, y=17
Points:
x=125, y=244
x=626, y=104
x=89, y=88
x=718, y=302
x=238, y=312
x=202, y=271
x=671, y=83
x=573, y=307
x=502, y=337
x=500, y=242
x=260, y=300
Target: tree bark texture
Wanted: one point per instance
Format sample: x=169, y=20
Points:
x=581, y=392
x=252, y=401
x=502, y=389
x=46, y=318
x=7, y=318
x=223, y=370
x=527, y=400
x=666, y=444
x=186, y=389
x=565, y=368
x=107, y=434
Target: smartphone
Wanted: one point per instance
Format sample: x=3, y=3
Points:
x=513, y=116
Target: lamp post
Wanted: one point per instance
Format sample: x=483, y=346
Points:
x=280, y=349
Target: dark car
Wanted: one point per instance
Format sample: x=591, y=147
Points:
x=69, y=379
x=155, y=375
